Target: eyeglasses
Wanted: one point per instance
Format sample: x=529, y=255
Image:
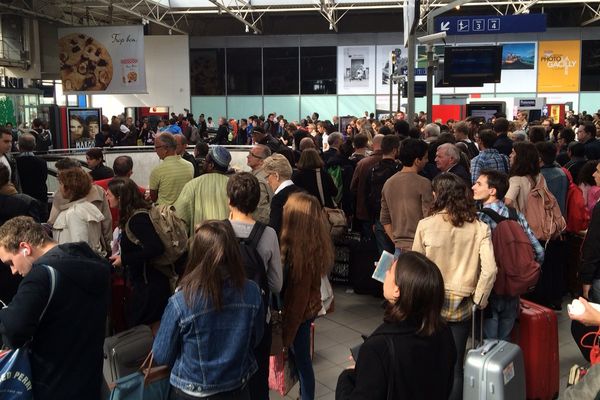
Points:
x=250, y=154
x=159, y=147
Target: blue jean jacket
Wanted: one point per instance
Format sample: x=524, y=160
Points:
x=211, y=351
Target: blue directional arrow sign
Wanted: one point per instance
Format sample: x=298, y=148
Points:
x=491, y=24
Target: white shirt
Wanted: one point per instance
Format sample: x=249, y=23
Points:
x=283, y=185
x=4, y=160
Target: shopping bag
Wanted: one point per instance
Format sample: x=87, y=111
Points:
x=15, y=375
x=149, y=383
x=282, y=373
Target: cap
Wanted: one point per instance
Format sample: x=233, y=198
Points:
x=220, y=155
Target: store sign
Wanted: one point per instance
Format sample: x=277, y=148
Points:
x=558, y=66
x=10, y=82
x=102, y=59
x=527, y=103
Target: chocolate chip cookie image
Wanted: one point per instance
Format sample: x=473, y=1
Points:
x=85, y=64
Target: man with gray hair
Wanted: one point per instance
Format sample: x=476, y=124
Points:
x=447, y=159
x=255, y=160
x=341, y=170
x=170, y=176
x=33, y=170
x=431, y=132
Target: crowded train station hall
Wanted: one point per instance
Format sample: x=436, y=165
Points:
x=299, y=199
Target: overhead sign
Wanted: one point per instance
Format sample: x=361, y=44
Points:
x=102, y=59
x=491, y=24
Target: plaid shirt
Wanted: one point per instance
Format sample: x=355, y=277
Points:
x=457, y=308
x=502, y=210
x=488, y=159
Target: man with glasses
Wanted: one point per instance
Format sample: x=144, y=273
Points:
x=170, y=176
x=255, y=159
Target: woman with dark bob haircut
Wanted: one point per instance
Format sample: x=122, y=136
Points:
x=243, y=191
x=460, y=245
x=524, y=174
x=310, y=167
x=210, y=326
x=413, y=347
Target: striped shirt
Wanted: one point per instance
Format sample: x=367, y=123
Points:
x=169, y=178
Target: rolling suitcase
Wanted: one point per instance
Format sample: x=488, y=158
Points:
x=493, y=370
x=125, y=352
x=537, y=334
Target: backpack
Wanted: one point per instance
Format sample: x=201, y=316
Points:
x=578, y=215
x=518, y=272
x=172, y=232
x=542, y=212
x=335, y=171
x=380, y=173
x=253, y=262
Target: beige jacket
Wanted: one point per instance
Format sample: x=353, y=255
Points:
x=463, y=254
x=263, y=209
x=79, y=221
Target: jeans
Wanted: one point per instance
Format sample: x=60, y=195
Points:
x=383, y=240
x=460, y=333
x=259, y=382
x=366, y=230
x=500, y=317
x=237, y=394
x=300, y=352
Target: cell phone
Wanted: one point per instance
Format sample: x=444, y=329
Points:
x=354, y=351
x=385, y=262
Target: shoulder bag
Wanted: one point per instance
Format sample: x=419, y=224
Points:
x=338, y=224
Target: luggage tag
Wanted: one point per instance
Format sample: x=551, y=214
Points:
x=385, y=262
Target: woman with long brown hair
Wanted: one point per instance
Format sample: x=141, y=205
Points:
x=460, y=245
x=211, y=325
x=139, y=244
x=307, y=255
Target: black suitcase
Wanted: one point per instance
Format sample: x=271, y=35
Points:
x=125, y=352
x=362, y=265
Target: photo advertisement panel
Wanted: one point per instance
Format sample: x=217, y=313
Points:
x=519, y=68
x=384, y=66
x=356, y=69
x=558, y=66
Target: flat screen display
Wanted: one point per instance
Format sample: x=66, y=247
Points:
x=472, y=65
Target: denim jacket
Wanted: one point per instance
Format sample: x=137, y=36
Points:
x=211, y=351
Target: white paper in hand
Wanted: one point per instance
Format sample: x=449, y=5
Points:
x=385, y=262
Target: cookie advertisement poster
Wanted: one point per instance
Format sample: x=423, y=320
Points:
x=102, y=59
x=83, y=126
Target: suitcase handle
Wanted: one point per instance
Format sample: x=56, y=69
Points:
x=489, y=346
x=473, y=322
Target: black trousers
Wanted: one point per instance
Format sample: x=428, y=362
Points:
x=259, y=382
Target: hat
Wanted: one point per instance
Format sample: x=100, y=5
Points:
x=220, y=155
x=124, y=129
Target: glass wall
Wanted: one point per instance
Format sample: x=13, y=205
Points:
x=281, y=70
x=207, y=72
x=318, y=73
x=244, y=71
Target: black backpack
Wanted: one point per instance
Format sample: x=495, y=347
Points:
x=380, y=173
x=253, y=262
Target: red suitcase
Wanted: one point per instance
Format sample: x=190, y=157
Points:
x=537, y=334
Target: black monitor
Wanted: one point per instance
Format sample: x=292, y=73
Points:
x=485, y=110
x=472, y=65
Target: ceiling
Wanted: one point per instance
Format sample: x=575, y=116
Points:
x=273, y=17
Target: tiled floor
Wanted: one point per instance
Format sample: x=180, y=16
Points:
x=354, y=315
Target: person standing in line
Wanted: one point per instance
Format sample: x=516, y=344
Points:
x=306, y=258
x=461, y=246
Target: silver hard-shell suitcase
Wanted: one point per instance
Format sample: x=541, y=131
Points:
x=494, y=370
x=125, y=352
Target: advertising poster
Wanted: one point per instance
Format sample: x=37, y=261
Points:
x=384, y=62
x=518, y=55
x=356, y=69
x=84, y=125
x=102, y=59
x=590, y=65
x=558, y=66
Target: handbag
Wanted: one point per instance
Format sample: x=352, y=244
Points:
x=326, y=296
x=276, y=326
x=149, y=383
x=338, y=224
x=282, y=373
x=15, y=368
x=594, y=348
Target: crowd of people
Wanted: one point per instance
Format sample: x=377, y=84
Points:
x=427, y=193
